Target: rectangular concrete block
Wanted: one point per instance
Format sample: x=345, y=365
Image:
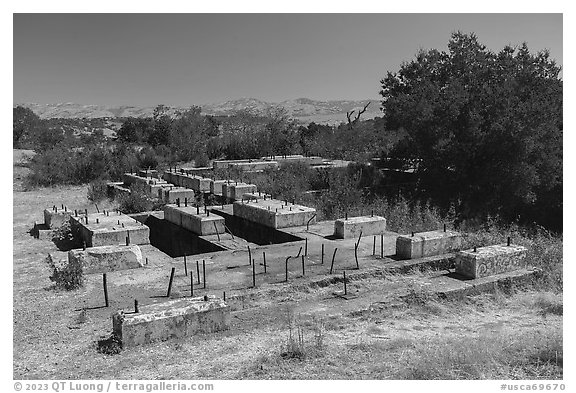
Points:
x=148, y=173
x=56, y=218
x=491, y=260
x=109, y=230
x=196, y=221
x=274, y=213
x=180, y=318
x=169, y=195
x=198, y=171
x=107, y=258
x=200, y=184
x=351, y=228
x=426, y=244
x=223, y=164
x=216, y=186
x=235, y=191
x=253, y=166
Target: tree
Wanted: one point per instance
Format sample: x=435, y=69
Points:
x=486, y=128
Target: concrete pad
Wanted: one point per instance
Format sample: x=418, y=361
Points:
x=200, y=223
x=235, y=191
x=344, y=229
x=274, y=213
x=488, y=261
x=178, y=318
x=107, y=258
x=56, y=218
x=109, y=230
x=425, y=244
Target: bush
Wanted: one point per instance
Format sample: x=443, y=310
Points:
x=66, y=274
x=138, y=200
x=97, y=191
x=64, y=238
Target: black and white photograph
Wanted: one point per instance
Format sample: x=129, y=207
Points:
x=201, y=198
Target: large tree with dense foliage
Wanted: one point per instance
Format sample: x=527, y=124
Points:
x=484, y=127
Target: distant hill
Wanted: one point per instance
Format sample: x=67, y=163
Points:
x=302, y=109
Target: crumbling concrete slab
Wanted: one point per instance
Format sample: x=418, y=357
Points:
x=100, y=229
x=274, y=213
x=178, y=318
x=55, y=218
x=351, y=227
x=491, y=260
x=194, y=220
x=235, y=191
x=200, y=184
x=425, y=244
x=107, y=258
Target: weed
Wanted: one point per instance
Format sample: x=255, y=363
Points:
x=109, y=345
x=67, y=274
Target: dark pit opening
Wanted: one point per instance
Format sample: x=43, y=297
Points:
x=254, y=232
x=174, y=240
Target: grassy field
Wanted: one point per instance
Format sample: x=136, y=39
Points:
x=376, y=336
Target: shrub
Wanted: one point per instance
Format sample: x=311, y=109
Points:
x=64, y=238
x=97, y=191
x=66, y=274
x=138, y=200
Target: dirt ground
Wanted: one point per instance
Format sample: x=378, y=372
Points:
x=375, y=335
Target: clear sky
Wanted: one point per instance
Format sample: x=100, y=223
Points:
x=185, y=59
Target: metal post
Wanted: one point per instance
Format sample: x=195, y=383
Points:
x=135, y=306
x=322, y=255
x=345, y=288
x=374, y=247
x=333, y=256
x=253, y=274
x=356, y=256
x=508, y=242
x=185, y=266
x=306, y=247
x=382, y=246
x=191, y=285
x=249, y=256
x=170, y=282
x=105, y=284
x=287, y=268
x=264, y=255
x=303, y=272
x=198, y=271
x=204, y=272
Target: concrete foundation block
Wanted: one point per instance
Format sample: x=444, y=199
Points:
x=216, y=186
x=491, y=260
x=148, y=173
x=200, y=184
x=426, y=244
x=55, y=219
x=351, y=228
x=253, y=166
x=45, y=234
x=107, y=258
x=109, y=230
x=274, y=213
x=235, y=191
x=169, y=195
x=178, y=318
x=223, y=164
x=189, y=218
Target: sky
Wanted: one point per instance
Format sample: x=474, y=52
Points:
x=192, y=59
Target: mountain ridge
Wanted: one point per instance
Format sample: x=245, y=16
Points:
x=304, y=110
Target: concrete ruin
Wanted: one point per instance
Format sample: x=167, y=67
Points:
x=194, y=220
x=55, y=218
x=491, y=260
x=235, y=191
x=109, y=229
x=425, y=244
x=180, y=318
x=274, y=213
x=172, y=194
x=353, y=226
x=107, y=258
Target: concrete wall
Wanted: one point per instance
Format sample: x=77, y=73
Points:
x=178, y=318
x=107, y=258
x=223, y=164
x=56, y=218
x=274, y=213
x=216, y=186
x=188, y=218
x=109, y=230
x=351, y=228
x=425, y=244
x=488, y=261
x=169, y=195
x=254, y=165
